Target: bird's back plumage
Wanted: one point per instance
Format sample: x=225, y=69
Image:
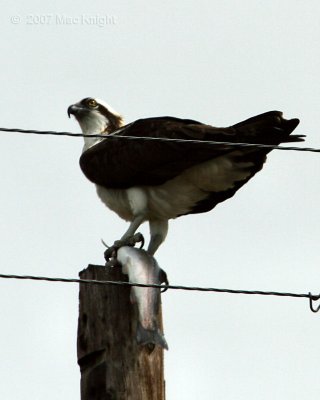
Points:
x=121, y=164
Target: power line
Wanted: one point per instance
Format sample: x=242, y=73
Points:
x=309, y=296
x=146, y=138
x=165, y=287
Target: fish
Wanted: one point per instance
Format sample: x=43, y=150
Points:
x=142, y=268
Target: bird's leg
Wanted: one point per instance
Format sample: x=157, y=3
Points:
x=134, y=225
x=130, y=238
x=158, y=233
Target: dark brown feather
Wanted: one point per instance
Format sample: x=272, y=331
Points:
x=120, y=163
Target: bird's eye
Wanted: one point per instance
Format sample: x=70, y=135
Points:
x=92, y=103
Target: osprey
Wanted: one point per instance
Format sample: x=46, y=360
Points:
x=157, y=180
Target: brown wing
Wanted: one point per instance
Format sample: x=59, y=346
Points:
x=122, y=163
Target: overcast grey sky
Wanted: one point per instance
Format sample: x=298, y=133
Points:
x=218, y=62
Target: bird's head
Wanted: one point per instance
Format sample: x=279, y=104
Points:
x=95, y=116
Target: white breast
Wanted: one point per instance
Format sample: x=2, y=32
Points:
x=179, y=195
x=117, y=200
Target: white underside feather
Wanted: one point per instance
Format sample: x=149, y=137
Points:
x=179, y=195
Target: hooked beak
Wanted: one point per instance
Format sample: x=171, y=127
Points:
x=72, y=110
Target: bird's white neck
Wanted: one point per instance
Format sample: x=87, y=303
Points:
x=90, y=141
x=93, y=126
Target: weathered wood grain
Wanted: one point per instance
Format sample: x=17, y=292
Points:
x=113, y=366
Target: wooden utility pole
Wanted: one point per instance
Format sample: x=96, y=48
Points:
x=113, y=366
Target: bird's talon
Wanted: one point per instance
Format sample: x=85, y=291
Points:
x=111, y=252
x=112, y=262
x=131, y=240
x=163, y=279
x=138, y=237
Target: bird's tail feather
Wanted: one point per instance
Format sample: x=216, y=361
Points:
x=150, y=337
x=269, y=128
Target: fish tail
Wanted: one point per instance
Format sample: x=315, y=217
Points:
x=150, y=337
